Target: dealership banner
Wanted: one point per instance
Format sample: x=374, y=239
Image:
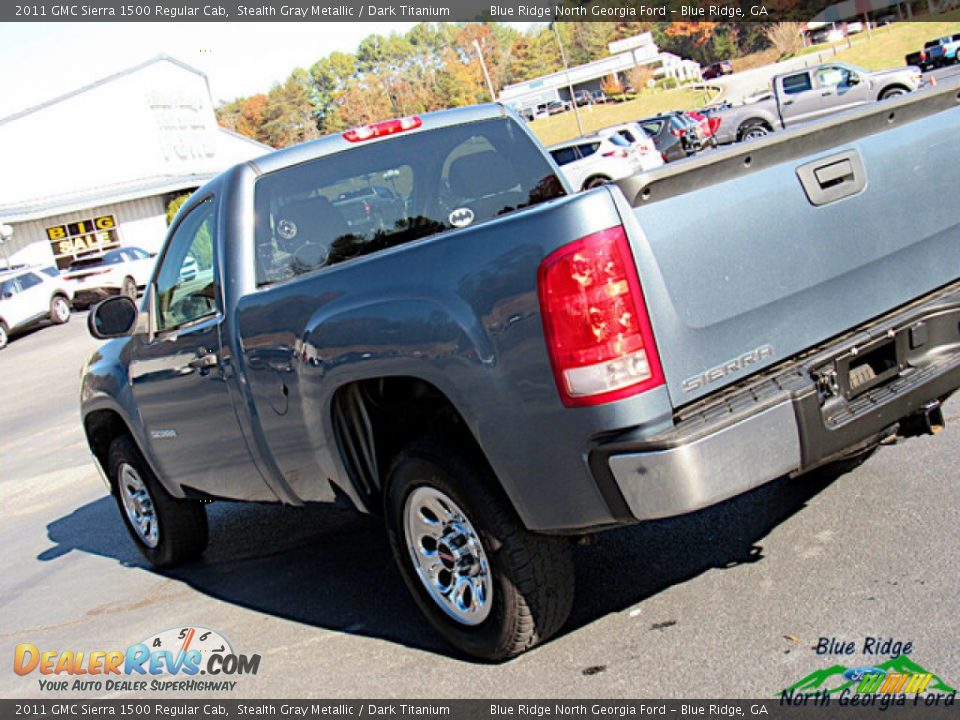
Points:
x=448, y=10
x=482, y=709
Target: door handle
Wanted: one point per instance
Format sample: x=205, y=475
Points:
x=204, y=360
x=833, y=178
x=788, y=102
x=826, y=93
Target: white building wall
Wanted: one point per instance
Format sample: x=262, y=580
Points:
x=157, y=121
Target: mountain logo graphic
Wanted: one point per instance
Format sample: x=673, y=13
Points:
x=461, y=217
x=898, y=675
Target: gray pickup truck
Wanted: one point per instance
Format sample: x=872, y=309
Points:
x=811, y=93
x=510, y=365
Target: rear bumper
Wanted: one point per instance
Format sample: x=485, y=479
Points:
x=794, y=417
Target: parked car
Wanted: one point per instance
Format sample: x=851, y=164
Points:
x=582, y=97
x=669, y=133
x=121, y=270
x=717, y=69
x=811, y=93
x=593, y=160
x=373, y=205
x=944, y=51
x=555, y=107
x=643, y=145
x=708, y=125
x=599, y=97
x=30, y=295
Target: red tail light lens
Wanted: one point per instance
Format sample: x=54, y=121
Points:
x=677, y=132
x=595, y=321
x=381, y=129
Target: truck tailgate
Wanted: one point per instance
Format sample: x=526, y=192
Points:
x=741, y=269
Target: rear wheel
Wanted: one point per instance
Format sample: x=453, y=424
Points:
x=130, y=287
x=167, y=530
x=754, y=130
x=489, y=586
x=4, y=335
x=59, y=309
x=596, y=181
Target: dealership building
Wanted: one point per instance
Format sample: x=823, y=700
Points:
x=625, y=54
x=95, y=168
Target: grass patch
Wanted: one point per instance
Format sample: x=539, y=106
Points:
x=887, y=46
x=564, y=126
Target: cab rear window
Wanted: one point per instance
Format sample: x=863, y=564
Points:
x=375, y=197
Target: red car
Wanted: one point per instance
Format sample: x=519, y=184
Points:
x=716, y=70
x=707, y=124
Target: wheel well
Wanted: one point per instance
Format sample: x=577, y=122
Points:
x=375, y=419
x=895, y=86
x=599, y=176
x=752, y=122
x=102, y=427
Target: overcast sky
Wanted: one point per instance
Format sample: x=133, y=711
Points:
x=39, y=61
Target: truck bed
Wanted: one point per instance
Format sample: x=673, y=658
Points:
x=742, y=270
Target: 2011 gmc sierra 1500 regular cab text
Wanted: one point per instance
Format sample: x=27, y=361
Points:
x=505, y=364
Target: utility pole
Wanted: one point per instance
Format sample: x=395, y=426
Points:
x=566, y=69
x=483, y=64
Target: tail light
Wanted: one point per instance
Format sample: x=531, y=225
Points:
x=382, y=129
x=664, y=156
x=678, y=132
x=714, y=125
x=595, y=321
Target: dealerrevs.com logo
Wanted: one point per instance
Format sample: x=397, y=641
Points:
x=185, y=659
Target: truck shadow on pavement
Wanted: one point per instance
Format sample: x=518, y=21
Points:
x=333, y=569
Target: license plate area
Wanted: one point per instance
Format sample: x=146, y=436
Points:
x=865, y=367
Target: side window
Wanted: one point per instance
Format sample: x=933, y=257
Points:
x=588, y=149
x=794, y=84
x=10, y=288
x=28, y=281
x=652, y=128
x=562, y=156
x=628, y=136
x=186, y=281
x=832, y=76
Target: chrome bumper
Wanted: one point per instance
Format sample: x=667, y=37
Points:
x=715, y=467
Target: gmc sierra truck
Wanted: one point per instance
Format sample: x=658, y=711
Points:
x=510, y=364
x=810, y=93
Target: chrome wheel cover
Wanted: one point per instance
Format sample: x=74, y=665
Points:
x=138, y=505
x=448, y=556
x=60, y=309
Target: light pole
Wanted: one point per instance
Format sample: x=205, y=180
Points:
x=6, y=235
x=483, y=64
x=566, y=69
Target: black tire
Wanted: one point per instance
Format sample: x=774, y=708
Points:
x=531, y=576
x=4, y=335
x=595, y=181
x=59, y=310
x=753, y=130
x=182, y=530
x=129, y=287
x=892, y=92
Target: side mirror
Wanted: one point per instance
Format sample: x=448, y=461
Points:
x=8, y=295
x=114, y=317
x=853, y=79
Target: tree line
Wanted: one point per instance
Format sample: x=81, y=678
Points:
x=436, y=66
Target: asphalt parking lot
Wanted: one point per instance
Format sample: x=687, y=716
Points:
x=729, y=602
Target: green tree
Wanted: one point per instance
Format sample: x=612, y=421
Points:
x=288, y=117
